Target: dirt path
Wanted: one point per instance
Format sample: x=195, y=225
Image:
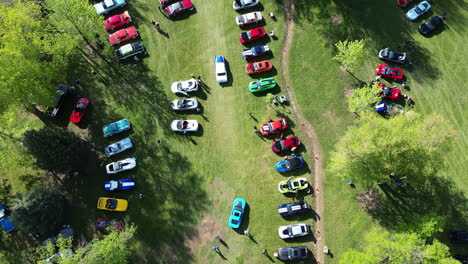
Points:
x=311, y=137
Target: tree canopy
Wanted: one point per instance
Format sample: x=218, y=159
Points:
x=405, y=145
x=351, y=54
x=39, y=210
x=363, y=99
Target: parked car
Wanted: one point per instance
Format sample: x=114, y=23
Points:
x=184, y=87
x=389, y=72
x=121, y=165
x=102, y=224
x=119, y=185
x=249, y=18
x=432, y=24
x=252, y=35
x=244, y=4
x=387, y=54
x=273, y=127
x=220, y=69
x=128, y=50
x=391, y=93
x=293, y=208
x=292, y=231
x=237, y=212
x=116, y=127
x=5, y=221
x=290, y=164
x=262, y=85
x=403, y=3
x=418, y=10
x=255, y=51
x=184, y=104
x=60, y=95
x=117, y=21
x=112, y=204
x=258, y=67
x=289, y=143
x=118, y=147
x=293, y=185
x=459, y=236
x=79, y=110
x=178, y=8
x=106, y=6
x=387, y=109
x=123, y=35
x=292, y=253
x=184, y=126
x=462, y=259
x=64, y=233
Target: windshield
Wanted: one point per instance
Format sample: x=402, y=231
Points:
x=388, y=91
x=175, y=7
x=417, y=10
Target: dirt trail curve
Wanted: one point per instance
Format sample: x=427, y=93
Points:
x=311, y=137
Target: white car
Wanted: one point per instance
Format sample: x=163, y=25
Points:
x=184, y=104
x=184, y=125
x=220, y=68
x=184, y=87
x=243, y=4
x=295, y=230
x=245, y=19
x=121, y=165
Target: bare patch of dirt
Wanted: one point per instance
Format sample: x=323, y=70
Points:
x=348, y=91
x=335, y=21
x=206, y=231
x=368, y=200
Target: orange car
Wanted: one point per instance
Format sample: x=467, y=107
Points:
x=257, y=67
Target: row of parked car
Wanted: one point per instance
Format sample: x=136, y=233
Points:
x=420, y=9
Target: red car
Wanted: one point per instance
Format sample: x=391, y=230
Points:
x=79, y=110
x=117, y=21
x=289, y=143
x=403, y=3
x=123, y=35
x=389, y=72
x=252, y=35
x=392, y=93
x=274, y=127
x=178, y=7
x=258, y=67
x=102, y=224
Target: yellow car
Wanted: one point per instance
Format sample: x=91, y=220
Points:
x=112, y=204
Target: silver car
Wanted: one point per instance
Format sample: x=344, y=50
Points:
x=121, y=165
x=118, y=147
x=292, y=231
x=184, y=87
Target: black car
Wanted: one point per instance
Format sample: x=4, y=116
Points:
x=62, y=92
x=293, y=208
x=432, y=24
x=462, y=259
x=387, y=54
x=64, y=233
x=129, y=50
x=255, y=51
x=292, y=253
x=459, y=236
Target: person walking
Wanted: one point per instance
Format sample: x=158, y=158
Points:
x=256, y=130
x=160, y=9
x=199, y=80
x=214, y=249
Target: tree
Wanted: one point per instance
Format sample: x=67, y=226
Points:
x=56, y=150
x=405, y=145
x=363, y=98
x=351, y=54
x=384, y=247
x=40, y=210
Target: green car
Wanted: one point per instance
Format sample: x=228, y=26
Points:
x=262, y=85
x=116, y=127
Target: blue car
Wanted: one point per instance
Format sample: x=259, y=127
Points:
x=293, y=208
x=418, y=10
x=387, y=109
x=119, y=185
x=116, y=127
x=289, y=164
x=7, y=225
x=106, y=6
x=237, y=213
x=118, y=147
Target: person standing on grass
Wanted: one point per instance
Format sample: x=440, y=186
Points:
x=199, y=80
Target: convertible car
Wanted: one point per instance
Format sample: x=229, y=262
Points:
x=293, y=208
x=255, y=52
x=121, y=165
x=432, y=24
x=243, y=4
x=387, y=54
x=112, y=204
x=289, y=143
x=118, y=147
x=293, y=185
x=387, y=109
x=184, y=126
x=119, y=185
x=184, y=104
x=252, y=35
x=388, y=92
x=79, y=110
x=237, y=212
x=249, y=18
x=117, y=21
x=418, y=10
x=116, y=127
x=102, y=224
x=184, y=87
x=258, y=67
x=262, y=85
x=292, y=231
x=389, y=72
x=292, y=253
x=289, y=164
x=274, y=127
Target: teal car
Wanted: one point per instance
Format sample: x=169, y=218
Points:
x=116, y=127
x=262, y=85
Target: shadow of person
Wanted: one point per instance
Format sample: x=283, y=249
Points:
x=221, y=255
x=223, y=243
x=164, y=33
x=253, y=239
